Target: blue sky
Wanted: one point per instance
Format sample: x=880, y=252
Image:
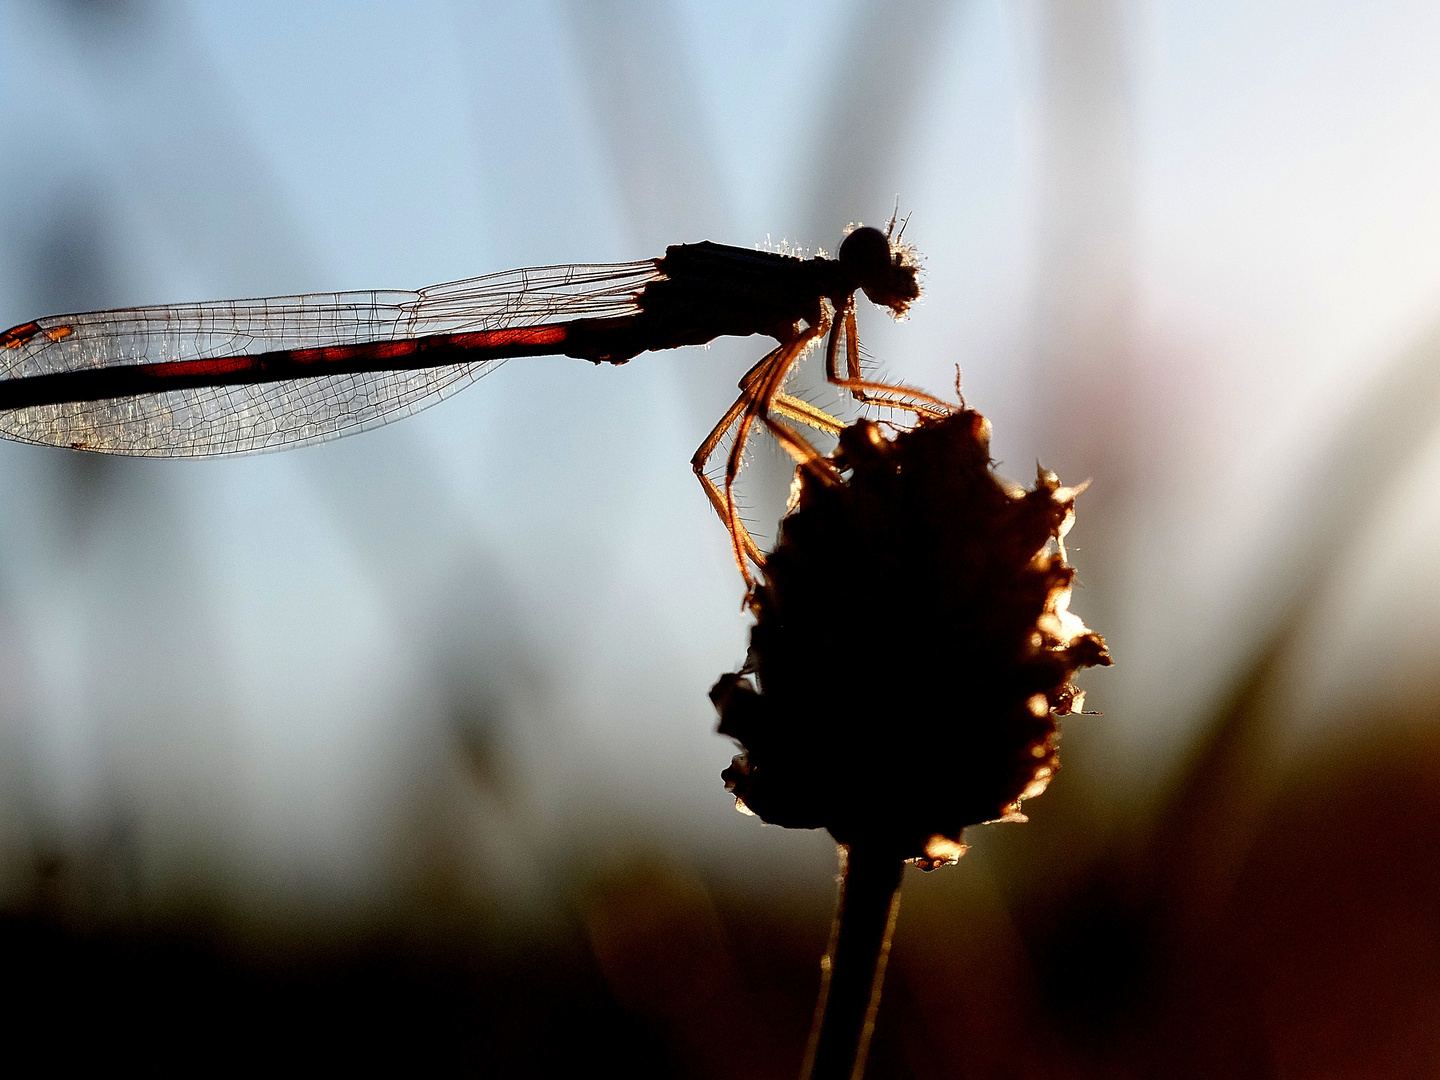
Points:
x=1206, y=229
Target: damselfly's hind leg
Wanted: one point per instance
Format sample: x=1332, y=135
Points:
x=863, y=390
x=762, y=397
x=746, y=550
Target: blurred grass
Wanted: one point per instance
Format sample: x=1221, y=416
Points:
x=1264, y=915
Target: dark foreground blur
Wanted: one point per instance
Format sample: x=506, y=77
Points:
x=1252, y=925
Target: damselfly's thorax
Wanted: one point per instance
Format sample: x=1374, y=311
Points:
x=709, y=290
x=776, y=286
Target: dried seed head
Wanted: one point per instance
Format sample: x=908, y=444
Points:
x=913, y=644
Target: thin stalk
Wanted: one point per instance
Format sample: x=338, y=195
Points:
x=854, y=965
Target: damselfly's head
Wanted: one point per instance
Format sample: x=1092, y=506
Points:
x=885, y=272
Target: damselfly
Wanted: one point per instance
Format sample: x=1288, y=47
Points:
x=236, y=376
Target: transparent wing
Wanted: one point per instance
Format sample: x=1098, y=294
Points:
x=207, y=421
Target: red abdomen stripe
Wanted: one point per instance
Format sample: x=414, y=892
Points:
x=95, y=384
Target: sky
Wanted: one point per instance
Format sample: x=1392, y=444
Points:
x=1191, y=252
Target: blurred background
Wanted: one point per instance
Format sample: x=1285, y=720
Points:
x=399, y=749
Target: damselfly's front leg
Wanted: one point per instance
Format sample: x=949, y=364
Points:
x=863, y=390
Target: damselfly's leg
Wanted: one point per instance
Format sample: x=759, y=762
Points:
x=763, y=398
x=744, y=544
x=761, y=395
x=863, y=390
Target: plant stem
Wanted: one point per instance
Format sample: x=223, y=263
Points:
x=854, y=965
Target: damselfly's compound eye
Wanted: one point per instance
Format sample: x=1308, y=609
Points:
x=876, y=269
x=865, y=253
